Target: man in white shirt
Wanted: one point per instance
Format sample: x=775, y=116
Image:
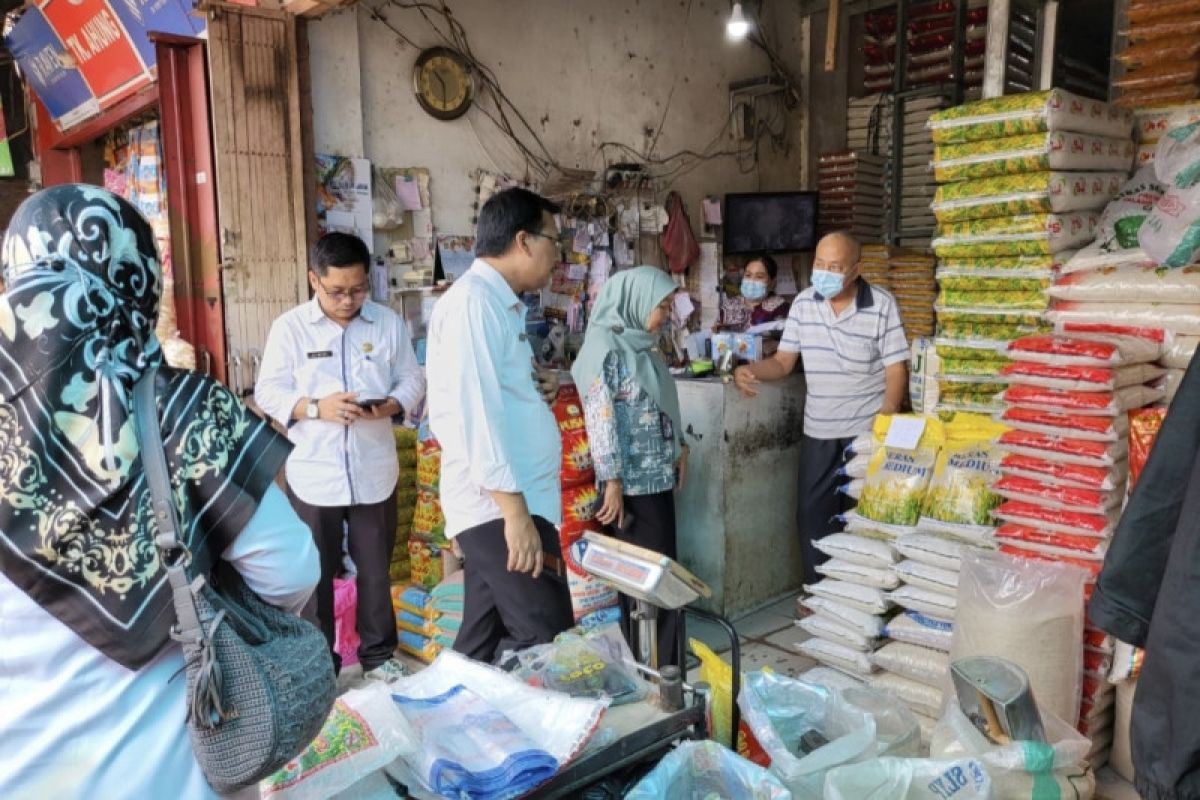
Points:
x=335, y=371
x=500, y=443
x=855, y=366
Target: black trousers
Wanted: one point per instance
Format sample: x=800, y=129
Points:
x=818, y=500
x=505, y=610
x=653, y=527
x=371, y=537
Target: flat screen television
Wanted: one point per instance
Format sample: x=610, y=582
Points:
x=770, y=222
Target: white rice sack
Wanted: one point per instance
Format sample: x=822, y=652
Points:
x=935, y=604
x=1180, y=352
x=1029, y=112
x=1015, y=155
x=824, y=627
x=927, y=724
x=921, y=664
x=1031, y=192
x=1170, y=382
x=862, y=598
x=837, y=656
x=1096, y=256
x=863, y=445
x=876, y=577
x=920, y=697
x=936, y=551
x=927, y=576
x=1131, y=284
x=831, y=679
x=1123, y=217
x=1031, y=613
x=1024, y=234
x=912, y=627
x=852, y=488
x=856, y=549
x=863, y=623
x=856, y=467
x=1177, y=318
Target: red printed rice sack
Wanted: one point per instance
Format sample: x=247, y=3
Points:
x=1056, y=520
x=576, y=465
x=1057, y=544
x=1059, y=474
x=579, y=504
x=1069, y=378
x=1144, y=426
x=1094, y=352
x=1079, y=426
x=1064, y=498
x=1092, y=404
x=593, y=601
x=1064, y=449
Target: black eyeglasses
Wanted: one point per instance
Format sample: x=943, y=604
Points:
x=553, y=239
x=338, y=295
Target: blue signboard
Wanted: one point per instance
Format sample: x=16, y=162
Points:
x=50, y=70
x=140, y=17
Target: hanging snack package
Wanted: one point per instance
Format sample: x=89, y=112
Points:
x=898, y=478
x=1144, y=425
x=959, y=500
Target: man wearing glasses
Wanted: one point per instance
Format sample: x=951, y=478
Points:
x=501, y=448
x=335, y=372
x=855, y=366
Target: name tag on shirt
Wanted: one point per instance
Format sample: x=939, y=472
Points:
x=320, y=354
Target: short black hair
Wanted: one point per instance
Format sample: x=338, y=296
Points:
x=768, y=262
x=336, y=249
x=505, y=214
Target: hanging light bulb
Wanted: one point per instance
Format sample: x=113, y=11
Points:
x=738, y=26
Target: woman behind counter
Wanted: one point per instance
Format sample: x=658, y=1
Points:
x=632, y=413
x=757, y=303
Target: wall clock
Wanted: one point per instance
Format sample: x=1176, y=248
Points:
x=444, y=83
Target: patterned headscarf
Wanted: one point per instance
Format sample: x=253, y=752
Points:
x=76, y=333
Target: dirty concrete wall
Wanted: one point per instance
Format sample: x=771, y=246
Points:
x=582, y=73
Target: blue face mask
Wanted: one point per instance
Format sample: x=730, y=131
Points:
x=753, y=290
x=828, y=284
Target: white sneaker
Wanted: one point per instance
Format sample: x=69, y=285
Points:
x=388, y=672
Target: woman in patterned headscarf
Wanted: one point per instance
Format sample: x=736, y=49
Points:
x=91, y=699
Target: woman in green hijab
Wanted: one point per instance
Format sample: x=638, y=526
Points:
x=632, y=412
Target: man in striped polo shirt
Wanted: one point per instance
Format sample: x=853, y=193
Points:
x=849, y=336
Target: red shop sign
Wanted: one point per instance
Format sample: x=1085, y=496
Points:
x=101, y=47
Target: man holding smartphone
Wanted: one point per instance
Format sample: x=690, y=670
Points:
x=335, y=372
x=489, y=407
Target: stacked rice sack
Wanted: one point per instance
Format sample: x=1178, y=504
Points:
x=428, y=523
x=930, y=45
x=415, y=627
x=1066, y=463
x=936, y=504
x=406, y=500
x=850, y=194
x=593, y=601
x=1152, y=123
x=876, y=264
x=911, y=278
x=917, y=185
x=1162, y=53
x=447, y=604
x=869, y=124
x=1143, y=268
x=1022, y=180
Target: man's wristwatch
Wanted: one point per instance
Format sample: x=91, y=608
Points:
x=313, y=411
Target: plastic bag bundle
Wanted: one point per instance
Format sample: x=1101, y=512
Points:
x=589, y=663
x=857, y=724
x=706, y=769
x=471, y=748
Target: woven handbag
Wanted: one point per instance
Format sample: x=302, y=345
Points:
x=260, y=681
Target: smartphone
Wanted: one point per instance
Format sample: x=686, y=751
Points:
x=369, y=403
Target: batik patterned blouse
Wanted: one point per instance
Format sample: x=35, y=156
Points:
x=630, y=437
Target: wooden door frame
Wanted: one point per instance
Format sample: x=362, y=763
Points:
x=191, y=197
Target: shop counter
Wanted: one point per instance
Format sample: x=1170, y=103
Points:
x=736, y=515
